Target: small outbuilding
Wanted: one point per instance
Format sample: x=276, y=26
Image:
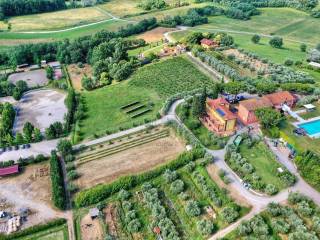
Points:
x=310, y=107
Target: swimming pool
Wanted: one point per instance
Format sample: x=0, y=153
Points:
x=312, y=128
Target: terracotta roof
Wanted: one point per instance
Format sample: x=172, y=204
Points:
x=279, y=98
x=222, y=107
x=9, y=170
x=254, y=104
x=207, y=42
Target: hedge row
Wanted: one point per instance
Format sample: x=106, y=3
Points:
x=57, y=182
x=34, y=229
x=101, y=192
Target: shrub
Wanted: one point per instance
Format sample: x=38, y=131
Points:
x=229, y=214
x=72, y=188
x=205, y=227
x=170, y=176
x=304, y=208
x=274, y=209
x=127, y=206
x=70, y=166
x=183, y=196
x=123, y=195
x=72, y=175
x=280, y=226
x=177, y=186
x=192, y=208
x=190, y=167
x=134, y=226
x=270, y=189
x=131, y=215
x=295, y=197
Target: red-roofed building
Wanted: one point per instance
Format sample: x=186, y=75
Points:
x=219, y=118
x=9, y=170
x=208, y=43
x=279, y=98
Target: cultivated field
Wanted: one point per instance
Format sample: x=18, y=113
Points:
x=41, y=108
x=76, y=74
x=32, y=78
x=154, y=35
x=57, y=20
x=171, y=76
x=286, y=22
x=139, y=153
x=30, y=189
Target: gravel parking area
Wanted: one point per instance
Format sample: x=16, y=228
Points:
x=41, y=108
x=33, y=78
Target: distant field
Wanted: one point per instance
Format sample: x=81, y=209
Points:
x=125, y=8
x=113, y=25
x=286, y=22
x=57, y=20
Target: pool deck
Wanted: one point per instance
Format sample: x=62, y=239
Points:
x=296, y=124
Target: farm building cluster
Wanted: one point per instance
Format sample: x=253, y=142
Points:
x=225, y=118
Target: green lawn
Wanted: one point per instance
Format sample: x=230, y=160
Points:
x=56, y=233
x=170, y=76
x=300, y=143
x=264, y=163
x=103, y=108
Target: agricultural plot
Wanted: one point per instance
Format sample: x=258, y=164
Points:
x=57, y=20
x=171, y=76
x=299, y=219
x=41, y=108
x=185, y=203
x=126, y=8
x=256, y=164
x=133, y=154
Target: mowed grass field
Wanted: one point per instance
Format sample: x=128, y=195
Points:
x=104, y=108
x=152, y=83
x=57, y=20
x=286, y=22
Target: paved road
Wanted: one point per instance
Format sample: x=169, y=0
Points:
x=44, y=147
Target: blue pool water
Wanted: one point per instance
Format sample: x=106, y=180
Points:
x=311, y=127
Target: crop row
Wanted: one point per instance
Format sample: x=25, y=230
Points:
x=110, y=151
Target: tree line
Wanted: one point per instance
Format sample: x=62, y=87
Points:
x=10, y=8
